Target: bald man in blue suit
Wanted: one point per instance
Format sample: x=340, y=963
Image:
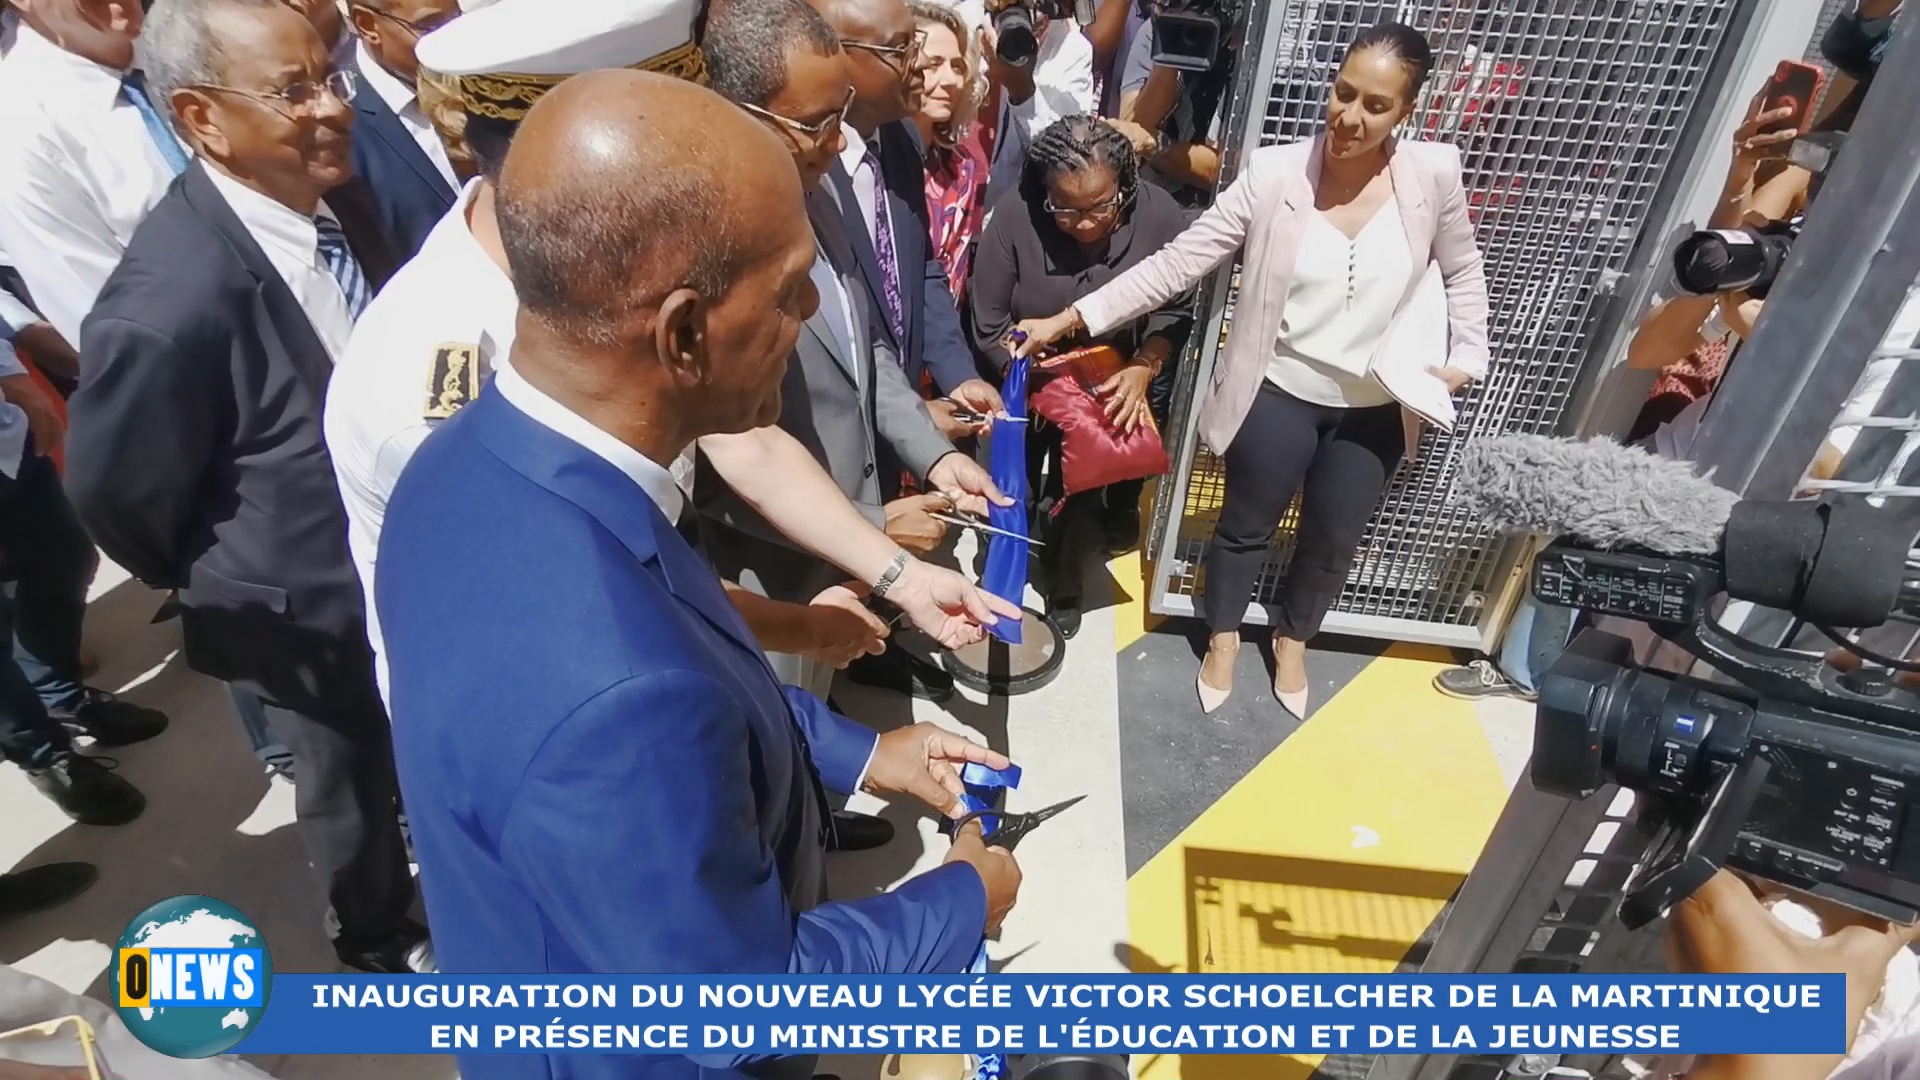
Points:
x=601, y=773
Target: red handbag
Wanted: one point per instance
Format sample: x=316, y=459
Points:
x=1092, y=453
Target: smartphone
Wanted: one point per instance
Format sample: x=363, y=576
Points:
x=1797, y=86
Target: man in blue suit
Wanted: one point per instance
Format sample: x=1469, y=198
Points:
x=395, y=147
x=601, y=773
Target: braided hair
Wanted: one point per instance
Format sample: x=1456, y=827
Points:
x=1071, y=144
x=1402, y=42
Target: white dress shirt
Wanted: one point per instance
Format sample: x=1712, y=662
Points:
x=861, y=168
x=78, y=172
x=405, y=104
x=292, y=244
x=450, y=293
x=1340, y=304
x=646, y=473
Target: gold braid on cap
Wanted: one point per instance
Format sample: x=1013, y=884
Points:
x=508, y=97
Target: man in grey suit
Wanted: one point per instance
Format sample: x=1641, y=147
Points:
x=781, y=62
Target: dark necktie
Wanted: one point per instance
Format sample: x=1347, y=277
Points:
x=346, y=269
x=689, y=526
x=134, y=89
x=889, y=257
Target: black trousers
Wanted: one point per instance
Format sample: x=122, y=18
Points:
x=1339, y=460
x=346, y=802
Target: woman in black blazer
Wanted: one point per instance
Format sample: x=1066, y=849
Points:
x=1081, y=218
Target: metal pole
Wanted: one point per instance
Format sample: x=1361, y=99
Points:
x=1829, y=310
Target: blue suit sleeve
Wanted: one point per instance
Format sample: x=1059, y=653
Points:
x=943, y=343
x=841, y=748
x=671, y=876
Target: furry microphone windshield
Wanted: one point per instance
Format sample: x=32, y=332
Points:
x=1595, y=490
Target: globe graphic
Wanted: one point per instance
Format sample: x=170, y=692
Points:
x=193, y=922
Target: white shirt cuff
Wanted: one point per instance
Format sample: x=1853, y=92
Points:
x=860, y=782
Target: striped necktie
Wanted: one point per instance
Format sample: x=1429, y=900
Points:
x=346, y=268
x=134, y=89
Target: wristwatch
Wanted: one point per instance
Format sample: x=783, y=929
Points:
x=1161, y=144
x=894, y=569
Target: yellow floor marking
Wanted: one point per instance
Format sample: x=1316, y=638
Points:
x=1332, y=855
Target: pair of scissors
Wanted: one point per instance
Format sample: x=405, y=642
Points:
x=1013, y=827
x=967, y=521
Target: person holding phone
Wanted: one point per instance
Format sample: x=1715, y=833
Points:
x=1339, y=230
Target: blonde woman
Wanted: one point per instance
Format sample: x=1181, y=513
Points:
x=956, y=161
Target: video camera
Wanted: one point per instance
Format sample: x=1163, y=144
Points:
x=1797, y=773
x=1017, y=42
x=1192, y=35
x=1748, y=259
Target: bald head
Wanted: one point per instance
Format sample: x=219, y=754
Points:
x=623, y=185
x=647, y=218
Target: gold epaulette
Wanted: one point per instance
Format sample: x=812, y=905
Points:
x=454, y=379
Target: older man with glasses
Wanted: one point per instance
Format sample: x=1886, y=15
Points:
x=887, y=224
x=195, y=457
x=395, y=147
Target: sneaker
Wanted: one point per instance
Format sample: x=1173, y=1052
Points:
x=86, y=788
x=1477, y=680
x=110, y=721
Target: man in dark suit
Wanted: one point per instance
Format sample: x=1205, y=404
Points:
x=911, y=290
x=780, y=61
x=196, y=459
x=395, y=147
x=885, y=210
x=603, y=772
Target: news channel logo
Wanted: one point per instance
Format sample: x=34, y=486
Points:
x=191, y=977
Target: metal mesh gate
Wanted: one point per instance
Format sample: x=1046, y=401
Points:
x=1569, y=114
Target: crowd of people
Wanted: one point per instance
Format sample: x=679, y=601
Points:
x=262, y=254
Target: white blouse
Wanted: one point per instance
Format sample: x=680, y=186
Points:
x=1340, y=304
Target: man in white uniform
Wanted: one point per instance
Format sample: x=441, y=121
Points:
x=445, y=323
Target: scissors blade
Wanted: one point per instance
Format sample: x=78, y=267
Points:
x=975, y=523
x=1039, y=816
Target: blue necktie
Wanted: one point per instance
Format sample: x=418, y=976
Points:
x=346, y=268
x=134, y=89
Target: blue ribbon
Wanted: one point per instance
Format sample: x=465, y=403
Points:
x=1005, y=575
x=985, y=789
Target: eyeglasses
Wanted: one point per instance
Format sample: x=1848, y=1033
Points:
x=420, y=29
x=1091, y=213
x=816, y=133
x=301, y=97
x=899, y=57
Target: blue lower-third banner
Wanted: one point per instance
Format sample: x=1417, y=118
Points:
x=734, y=1019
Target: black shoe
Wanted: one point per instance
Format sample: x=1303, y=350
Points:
x=409, y=952
x=24, y=892
x=109, y=720
x=859, y=832
x=86, y=788
x=1065, y=615
x=897, y=671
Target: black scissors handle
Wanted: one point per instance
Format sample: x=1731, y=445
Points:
x=1013, y=827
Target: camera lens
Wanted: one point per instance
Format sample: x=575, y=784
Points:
x=1017, y=44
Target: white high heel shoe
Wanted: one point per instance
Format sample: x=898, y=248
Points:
x=1211, y=698
x=1296, y=702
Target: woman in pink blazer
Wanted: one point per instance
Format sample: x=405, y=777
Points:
x=1339, y=233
